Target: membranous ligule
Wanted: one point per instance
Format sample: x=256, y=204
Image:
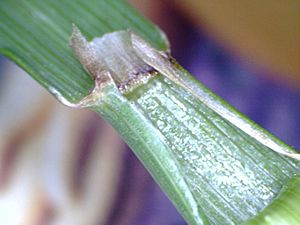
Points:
x=112, y=53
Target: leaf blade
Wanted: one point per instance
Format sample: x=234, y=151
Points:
x=36, y=35
x=31, y=37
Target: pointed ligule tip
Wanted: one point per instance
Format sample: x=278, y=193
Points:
x=83, y=51
x=78, y=41
x=75, y=29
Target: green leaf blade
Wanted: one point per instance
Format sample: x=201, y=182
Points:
x=214, y=172
x=36, y=35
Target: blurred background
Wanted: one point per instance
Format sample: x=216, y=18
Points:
x=62, y=166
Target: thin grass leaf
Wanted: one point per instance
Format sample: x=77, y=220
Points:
x=212, y=170
x=36, y=35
